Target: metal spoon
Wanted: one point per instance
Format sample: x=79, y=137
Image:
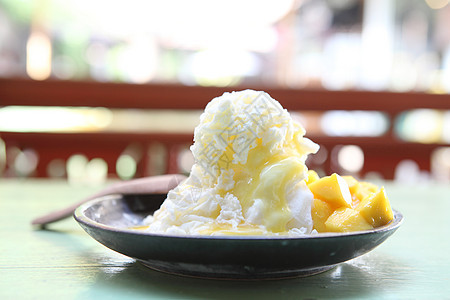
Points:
x=147, y=185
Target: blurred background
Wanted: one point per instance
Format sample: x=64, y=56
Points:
x=375, y=47
x=398, y=45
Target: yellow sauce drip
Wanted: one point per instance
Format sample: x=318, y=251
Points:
x=265, y=176
x=140, y=227
x=227, y=229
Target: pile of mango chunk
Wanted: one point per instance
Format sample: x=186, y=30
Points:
x=344, y=204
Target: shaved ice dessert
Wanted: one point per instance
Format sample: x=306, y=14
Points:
x=250, y=178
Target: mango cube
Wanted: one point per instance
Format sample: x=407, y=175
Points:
x=346, y=219
x=364, y=189
x=343, y=204
x=359, y=190
x=312, y=176
x=320, y=212
x=351, y=181
x=353, y=185
x=333, y=190
x=376, y=209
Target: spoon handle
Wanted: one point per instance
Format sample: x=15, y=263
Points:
x=146, y=185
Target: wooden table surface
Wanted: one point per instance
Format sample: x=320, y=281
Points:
x=63, y=262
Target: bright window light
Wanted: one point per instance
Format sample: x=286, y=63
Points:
x=39, y=56
x=59, y=119
x=351, y=158
x=354, y=123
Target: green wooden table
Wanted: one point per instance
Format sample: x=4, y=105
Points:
x=63, y=262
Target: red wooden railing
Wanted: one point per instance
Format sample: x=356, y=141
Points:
x=382, y=153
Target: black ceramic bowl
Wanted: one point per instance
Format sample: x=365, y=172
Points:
x=108, y=220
